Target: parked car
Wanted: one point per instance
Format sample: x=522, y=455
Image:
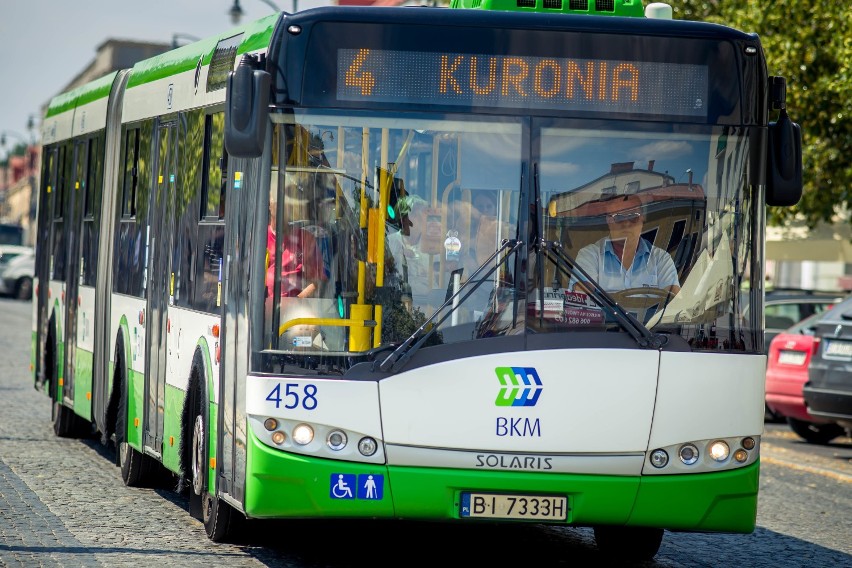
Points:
x=790, y=353
x=17, y=270
x=784, y=307
x=828, y=392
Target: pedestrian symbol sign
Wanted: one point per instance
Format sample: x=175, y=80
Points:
x=366, y=486
x=371, y=486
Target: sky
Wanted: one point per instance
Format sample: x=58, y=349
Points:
x=44, y=44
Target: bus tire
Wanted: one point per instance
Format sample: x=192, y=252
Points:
x=218, y=517
x=628, y=544
x=136, y=467
x=215, y=513
x=66, y=424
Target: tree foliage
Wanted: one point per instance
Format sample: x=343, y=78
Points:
x=809, y=42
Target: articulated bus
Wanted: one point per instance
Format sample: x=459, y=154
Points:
x=332, y=264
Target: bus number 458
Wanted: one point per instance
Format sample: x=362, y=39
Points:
x=291, y=398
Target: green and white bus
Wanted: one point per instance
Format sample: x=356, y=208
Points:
x=328, y=264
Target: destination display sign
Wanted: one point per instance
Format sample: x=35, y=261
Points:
x=517, y=81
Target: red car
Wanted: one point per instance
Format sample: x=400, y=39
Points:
x=786, y=373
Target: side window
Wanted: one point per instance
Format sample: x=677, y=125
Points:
x=91, y=212
x=211, y=227
x=215, y=175
x=131, y=173
x=66, y=166
x=127, y=209
x=190, y=144
x=131, y=238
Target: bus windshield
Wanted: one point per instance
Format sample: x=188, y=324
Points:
x=377, y=224
x=659, y=220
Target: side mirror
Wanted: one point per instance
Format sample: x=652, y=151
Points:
x=246, y=109
x=784, y=175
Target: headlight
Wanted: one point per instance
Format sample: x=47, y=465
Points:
x=303, y=434
x=719, y=450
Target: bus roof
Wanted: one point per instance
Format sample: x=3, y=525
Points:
x=256, y=36
x=58, y=122
x=631, y=8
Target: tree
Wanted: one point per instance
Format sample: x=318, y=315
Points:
x=809, y=42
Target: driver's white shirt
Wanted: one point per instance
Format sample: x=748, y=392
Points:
x=652, y=267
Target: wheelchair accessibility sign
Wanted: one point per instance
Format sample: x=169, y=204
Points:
x=367, y=486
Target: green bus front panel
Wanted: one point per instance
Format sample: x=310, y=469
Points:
x=280, y=484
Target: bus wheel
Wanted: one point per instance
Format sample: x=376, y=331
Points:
x=66, y=424
x=215, y=513
x=628, y=543
x=135, y=466
x=217, y=516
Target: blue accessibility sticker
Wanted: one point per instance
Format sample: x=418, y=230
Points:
x=366, y=486
x=341, y=486
x=371, y=486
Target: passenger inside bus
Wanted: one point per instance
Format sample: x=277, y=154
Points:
x=485, y=226
x=302, y=268
x=406, y=246
x=624, y=261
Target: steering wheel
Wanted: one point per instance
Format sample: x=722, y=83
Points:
x=641, y=297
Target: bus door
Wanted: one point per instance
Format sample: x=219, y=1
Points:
x=160, y=228
x=239, y=221
x=43, y=248
x=76, y=189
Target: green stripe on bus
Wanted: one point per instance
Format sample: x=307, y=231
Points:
x=97, y=89
x=257, y=36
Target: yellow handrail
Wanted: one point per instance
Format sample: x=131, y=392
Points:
x=333, y=322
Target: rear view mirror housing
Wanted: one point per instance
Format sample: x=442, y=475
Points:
x=784, y=163
x=246, y=108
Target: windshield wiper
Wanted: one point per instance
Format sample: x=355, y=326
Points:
x=568, y=266
x=409, y=347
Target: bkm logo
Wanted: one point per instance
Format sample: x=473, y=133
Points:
x=521, y=386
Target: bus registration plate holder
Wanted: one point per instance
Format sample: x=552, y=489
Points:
x=503, y=506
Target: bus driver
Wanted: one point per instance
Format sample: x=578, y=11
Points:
x=624, y=260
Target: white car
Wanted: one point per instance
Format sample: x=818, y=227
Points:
x=17, y=269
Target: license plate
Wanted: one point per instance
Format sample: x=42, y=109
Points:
x=838, y=348
x=792, y=357
x=500, y=506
